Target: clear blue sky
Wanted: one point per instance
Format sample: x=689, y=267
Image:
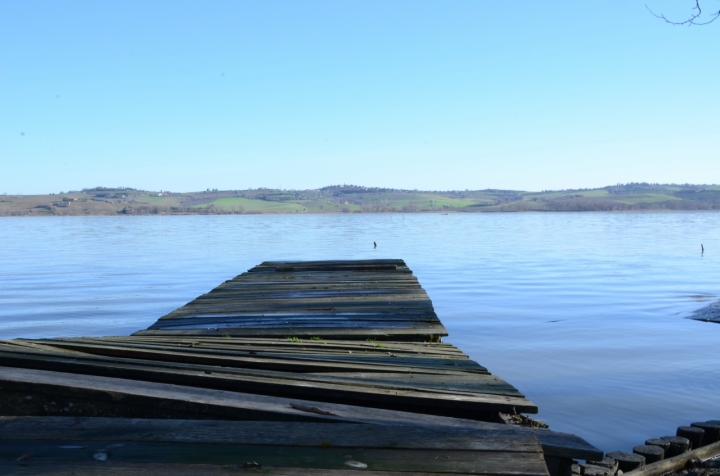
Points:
x=448, y=94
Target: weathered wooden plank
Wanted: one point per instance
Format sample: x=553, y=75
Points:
x=315, y=285
x=304, y=283
x=337, y=435
x=323, y=316
x=338, y=271
x=22, y=345
x=261, y=302
x=304, y=297
x=312, y=290
x=366, y=303
x=320, y=343
x=275, y=345
x=288, y=359
x=380, y=459
x=25, y=357
x=154, y=394
x=104, y=396
x=416, y=334
x=370, y=279
x=325, y=313
x=395, y=261
x=303, y=348
x=290, y=266
x=330, y=271
x=114, y=468
x=331, y=286
x=349, y=277
x=318, y=292
x=381, y=305
x=310, y=387
x=271, y=325
x=46, y=393
x=309, y=346
x=370, y=305
x=458, y=383
x=265, y=359
x=66, y=468
x=280, y=345
x=305, y=266
x=299, y=267
x=291, y=306
x=286, y=324
x=53, y=393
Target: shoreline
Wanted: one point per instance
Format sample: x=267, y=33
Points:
x=450, y=212
x=346, y=199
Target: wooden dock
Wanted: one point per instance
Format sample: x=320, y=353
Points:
x=300, y=367
x=354, y=300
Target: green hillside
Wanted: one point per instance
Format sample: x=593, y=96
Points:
x=357, y=199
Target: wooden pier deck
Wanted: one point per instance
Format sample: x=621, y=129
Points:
x=322, y=358
x=354, y=300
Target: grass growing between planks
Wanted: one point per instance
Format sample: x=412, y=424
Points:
x=375, y=343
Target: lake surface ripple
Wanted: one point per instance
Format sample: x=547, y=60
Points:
x=585, y=313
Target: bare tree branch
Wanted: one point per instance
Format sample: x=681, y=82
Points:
x=693, y=20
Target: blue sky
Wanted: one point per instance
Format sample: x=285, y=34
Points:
x=437, y=95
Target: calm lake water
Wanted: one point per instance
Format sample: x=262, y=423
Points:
x=583, y=312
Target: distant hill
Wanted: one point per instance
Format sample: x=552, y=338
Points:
x=357, y=199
